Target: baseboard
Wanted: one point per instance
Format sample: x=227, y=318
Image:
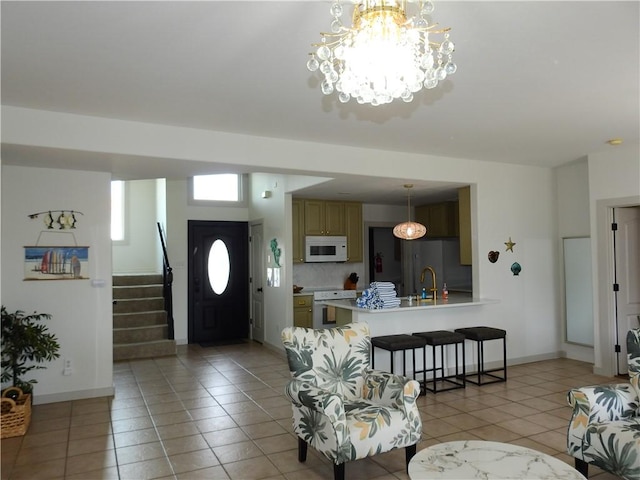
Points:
x=274, y=349
x=490, y=365
x=529, y=359
x=76, y=395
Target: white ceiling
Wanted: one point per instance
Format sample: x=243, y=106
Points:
x=538, y=83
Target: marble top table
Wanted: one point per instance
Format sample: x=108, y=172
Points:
x=494, y=460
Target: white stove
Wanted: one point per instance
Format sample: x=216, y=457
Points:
x=324, y=316
x=320, y=295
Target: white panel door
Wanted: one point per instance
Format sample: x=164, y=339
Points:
x=627, y=245
x=257, y=279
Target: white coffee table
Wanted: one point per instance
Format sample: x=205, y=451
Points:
x=494, y=460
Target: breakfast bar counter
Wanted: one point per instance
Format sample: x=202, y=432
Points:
x=458, y=311
x=406, y=306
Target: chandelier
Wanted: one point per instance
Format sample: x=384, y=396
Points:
x=409, y=230
x=384, y=55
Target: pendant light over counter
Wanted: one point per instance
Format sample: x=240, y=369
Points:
x=409, y=230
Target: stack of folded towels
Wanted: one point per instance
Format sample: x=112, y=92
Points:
x=379, y=295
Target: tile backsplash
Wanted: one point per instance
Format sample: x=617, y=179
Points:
x=327, y=275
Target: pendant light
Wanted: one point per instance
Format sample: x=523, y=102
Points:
x=409, y=230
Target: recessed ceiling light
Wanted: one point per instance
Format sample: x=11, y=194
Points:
x=615, y=141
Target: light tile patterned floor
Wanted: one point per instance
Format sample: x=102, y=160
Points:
x=220, y=413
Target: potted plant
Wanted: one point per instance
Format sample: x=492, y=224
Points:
x=26, y=343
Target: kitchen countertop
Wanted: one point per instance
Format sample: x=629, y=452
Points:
x=310, y=290
x=454, y=300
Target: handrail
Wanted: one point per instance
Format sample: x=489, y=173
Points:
x=167, y=282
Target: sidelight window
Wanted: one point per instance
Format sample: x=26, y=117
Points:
x=117, y=211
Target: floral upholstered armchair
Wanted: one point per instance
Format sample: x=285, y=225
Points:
x=341, y=407
x=605, y=427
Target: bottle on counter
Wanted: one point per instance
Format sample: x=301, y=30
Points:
x=445, y=292
x=424, y=293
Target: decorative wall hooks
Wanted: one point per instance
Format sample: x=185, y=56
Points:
x=64, y=219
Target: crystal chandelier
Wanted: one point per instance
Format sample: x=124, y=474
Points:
x=384, y=55
x=409, y=230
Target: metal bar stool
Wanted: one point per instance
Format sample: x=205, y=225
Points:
x=441, y=338
x=395, y=343
x=480, y=335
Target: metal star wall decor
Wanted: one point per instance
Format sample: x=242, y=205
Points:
x=509, y=245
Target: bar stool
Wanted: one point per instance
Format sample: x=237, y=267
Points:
x=481, y=335
x=395, y=343
x=441, y=338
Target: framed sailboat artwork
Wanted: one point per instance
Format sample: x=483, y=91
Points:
x=56, y=263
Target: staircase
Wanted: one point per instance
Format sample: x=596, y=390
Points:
x=140, y=327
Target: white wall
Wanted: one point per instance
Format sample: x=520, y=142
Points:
x=81, y=313
x=614, y=181
x=572, y=189
x=161, y=215
x=1, y=302
x=179, y=212
x=509, y=201
x=275, y=224
x=140, y=252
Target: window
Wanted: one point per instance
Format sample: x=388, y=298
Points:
x=218, y=267
x=117, y=211
x=226, y=188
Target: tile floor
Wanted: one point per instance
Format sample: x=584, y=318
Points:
x=219, y=413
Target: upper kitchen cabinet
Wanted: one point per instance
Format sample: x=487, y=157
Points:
x=324, y=218
x=464, y=222
x=441, y=219
x=353, y=226
x=297, y=214
x=450, y=219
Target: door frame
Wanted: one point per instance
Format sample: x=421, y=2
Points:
x=190, y=313
x=259, y=283
x=603, y=279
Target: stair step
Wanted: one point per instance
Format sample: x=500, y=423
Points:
x=142, y=279
x=139, y=319
x=150, y=333
x=131, y=305
x=133, y=351
x=140, y=327
x=137, y=291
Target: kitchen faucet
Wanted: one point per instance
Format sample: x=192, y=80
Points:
x=433, y=288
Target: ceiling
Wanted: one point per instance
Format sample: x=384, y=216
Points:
x=538, y=83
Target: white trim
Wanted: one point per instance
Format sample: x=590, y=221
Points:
x=605, y=321
x=75, y=395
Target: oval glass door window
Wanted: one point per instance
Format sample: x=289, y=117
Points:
x=218, y=267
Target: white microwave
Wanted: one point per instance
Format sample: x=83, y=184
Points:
x=325, y=249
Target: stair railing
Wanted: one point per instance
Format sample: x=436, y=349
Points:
x=167, y=282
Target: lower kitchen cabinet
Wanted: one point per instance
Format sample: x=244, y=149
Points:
x=303, y=311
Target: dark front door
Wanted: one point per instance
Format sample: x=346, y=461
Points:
x=218, y=281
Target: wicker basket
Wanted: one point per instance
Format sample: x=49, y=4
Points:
x=16, y=414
